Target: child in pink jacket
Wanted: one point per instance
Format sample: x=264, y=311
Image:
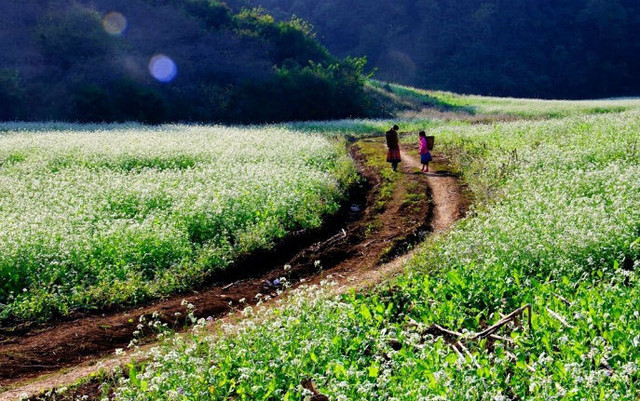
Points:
x=425, y=154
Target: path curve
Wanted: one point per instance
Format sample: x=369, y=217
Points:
x=446, y=193
x=448, y=206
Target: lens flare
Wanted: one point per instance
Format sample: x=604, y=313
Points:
x=114, y=23
x=163, y=68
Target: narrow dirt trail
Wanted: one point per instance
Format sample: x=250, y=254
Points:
x=353, y=254
x=448, y=205
x=446, y=193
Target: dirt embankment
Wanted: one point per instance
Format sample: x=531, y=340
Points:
x=361, y=246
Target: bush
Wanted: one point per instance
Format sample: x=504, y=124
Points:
x=71, y=37
x=214, y=14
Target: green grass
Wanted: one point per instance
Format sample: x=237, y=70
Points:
x=100, y=216
x=356, y=129
x=376, y=156
x=556, y=225
x=522, y=108
x=416, y=196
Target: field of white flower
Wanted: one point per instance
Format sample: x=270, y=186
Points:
x=101, y=215
x=556, y=225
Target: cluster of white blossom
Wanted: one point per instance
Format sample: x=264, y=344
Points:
x=91, y=217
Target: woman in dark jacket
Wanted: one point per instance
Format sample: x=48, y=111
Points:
x=393, y=154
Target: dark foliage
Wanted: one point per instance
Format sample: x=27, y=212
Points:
x=59, y=62
x=532, y=48
x=11, y=95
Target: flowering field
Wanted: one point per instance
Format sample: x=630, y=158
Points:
x=556, y=226
x=479, y=106
x=514, y=107
x=95, y=216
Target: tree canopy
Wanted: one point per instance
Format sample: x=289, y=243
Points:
x=528, y=48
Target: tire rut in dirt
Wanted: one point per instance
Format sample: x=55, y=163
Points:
x=32, y=350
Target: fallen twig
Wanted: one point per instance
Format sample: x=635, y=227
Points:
x=226, y=287
x=559, y=318
x=457, y=351
x=500, y=338
x=456, y=339
x=437, y=328
x=339, y=236
x=466, y=351
x=564, y=300
x=490, y=330
x=37, y=366
x=514, y=358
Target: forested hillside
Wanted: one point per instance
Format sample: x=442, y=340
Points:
x=529, y=48
x=166, y=60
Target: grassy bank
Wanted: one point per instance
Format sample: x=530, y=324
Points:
x=507, y=107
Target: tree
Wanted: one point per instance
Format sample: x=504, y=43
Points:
x=71, y=37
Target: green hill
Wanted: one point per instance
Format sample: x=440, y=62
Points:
x=522, y=48
x=95, y=61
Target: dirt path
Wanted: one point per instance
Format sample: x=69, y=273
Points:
x=353, y=253
x=448, y=205
x=446, y=192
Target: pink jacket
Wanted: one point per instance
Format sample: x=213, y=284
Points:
x=424, y=149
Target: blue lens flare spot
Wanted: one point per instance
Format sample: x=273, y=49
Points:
x=163, y=68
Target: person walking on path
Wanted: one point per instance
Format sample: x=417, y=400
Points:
x=425, y=153
x=393, y=145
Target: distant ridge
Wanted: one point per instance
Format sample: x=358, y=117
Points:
x=577, y=49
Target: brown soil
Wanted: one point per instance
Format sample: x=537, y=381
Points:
x=449, y=204
x=352, y=249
